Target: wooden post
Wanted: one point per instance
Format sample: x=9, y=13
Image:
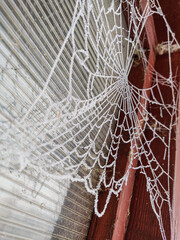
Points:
x=125, y=195
x=175, y=234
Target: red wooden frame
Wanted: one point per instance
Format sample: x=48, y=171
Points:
x=102, y=228
x=125, y=196
x=175, y=235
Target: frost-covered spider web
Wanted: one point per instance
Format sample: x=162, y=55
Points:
x=69, y=122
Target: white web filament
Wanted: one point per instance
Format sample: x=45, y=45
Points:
x=71, y=120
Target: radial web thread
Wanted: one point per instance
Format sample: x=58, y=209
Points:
x=70, y=122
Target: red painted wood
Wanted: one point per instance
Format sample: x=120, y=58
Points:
x=125, y=196
x=143, y=224
x=150, y=27
x=176, y=192
x=102, y=228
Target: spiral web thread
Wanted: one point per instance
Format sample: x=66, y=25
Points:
x=65, y=124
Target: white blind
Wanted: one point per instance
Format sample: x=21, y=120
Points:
x=32, y=32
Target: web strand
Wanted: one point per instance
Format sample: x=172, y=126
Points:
x=67, y=121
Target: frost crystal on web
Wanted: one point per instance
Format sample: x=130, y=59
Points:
x=68, y=120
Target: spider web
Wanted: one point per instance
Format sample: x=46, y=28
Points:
x=73, y=121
